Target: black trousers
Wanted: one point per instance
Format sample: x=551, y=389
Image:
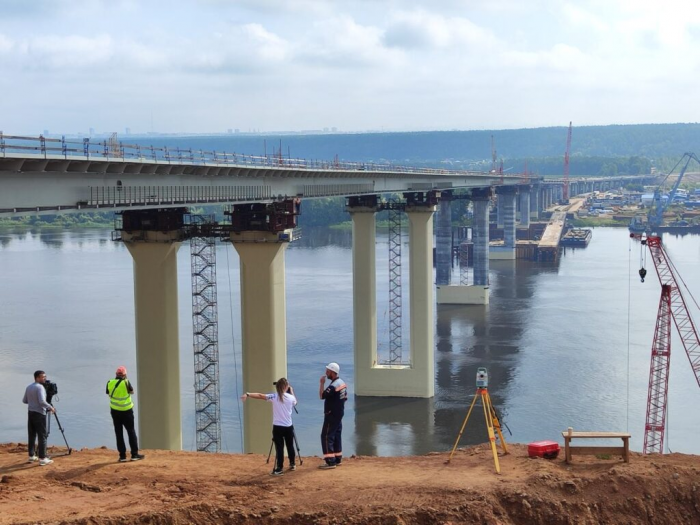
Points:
x=282, y=436
x=36, y=428
x=331, y=438
x=124, y=419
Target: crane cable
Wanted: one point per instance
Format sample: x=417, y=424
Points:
x=233, y=344
x=629, y=308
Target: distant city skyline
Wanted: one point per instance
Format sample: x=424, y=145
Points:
x=209, y=66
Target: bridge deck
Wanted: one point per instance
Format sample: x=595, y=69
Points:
x=552, y=234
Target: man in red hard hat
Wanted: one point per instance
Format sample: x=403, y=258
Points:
x=121, y=407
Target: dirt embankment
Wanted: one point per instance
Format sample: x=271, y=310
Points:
x=90, y=487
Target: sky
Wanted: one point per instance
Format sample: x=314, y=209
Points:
x=200, y=66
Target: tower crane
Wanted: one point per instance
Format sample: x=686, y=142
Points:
x=656, y=213
x=672, y=306
x=565, y=193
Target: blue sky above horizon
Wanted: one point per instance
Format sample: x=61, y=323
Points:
x=292, y=65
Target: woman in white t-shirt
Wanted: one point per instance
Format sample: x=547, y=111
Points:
x=283, y=402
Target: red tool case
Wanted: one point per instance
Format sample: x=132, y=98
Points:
x=543, y=449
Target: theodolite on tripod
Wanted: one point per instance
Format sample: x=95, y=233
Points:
x=493, y=424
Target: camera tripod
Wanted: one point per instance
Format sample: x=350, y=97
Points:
x=493, y=425
x=58, y=422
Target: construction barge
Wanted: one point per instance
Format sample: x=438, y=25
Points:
x=577, y=238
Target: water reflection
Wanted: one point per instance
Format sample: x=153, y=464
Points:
x=393, y=425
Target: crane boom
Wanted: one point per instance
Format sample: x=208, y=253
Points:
x=655, y=426
x=656, y=214
x=672, y=305
x=679, y=309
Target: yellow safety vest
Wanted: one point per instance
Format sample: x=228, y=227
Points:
x=119, y=397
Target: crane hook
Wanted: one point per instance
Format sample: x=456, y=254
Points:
x=642, y=273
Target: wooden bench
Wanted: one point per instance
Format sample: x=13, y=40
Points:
x=569, y=450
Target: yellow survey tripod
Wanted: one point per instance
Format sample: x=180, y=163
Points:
x=492, y=424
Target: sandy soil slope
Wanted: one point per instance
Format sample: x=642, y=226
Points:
x=89, y=486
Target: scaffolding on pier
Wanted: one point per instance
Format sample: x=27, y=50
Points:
x=395, y=304
x=206, y=334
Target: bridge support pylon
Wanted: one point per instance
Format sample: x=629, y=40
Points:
x=414, y=378
x=524, y=193
x=535, y=202
x=153, y=238
x=263, y=306
x=506, y=202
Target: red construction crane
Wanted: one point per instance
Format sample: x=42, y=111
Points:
x=566, y=166
x=672, y=305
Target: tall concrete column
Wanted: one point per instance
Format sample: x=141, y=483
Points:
x=535, y=202
x=506, y=200
x=157, y=337
x=499, y=211
x=364, y=294
x=421, y=294
x=263, y=323
x=443, y=252
x=480, y=233
x=524, y=205
x=509, y=218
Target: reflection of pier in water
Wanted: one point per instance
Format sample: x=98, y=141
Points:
x=468, y=337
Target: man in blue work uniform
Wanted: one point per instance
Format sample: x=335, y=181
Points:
x=334, y=398
x=121, y=407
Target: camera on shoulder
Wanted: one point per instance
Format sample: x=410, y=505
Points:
x=51, y=390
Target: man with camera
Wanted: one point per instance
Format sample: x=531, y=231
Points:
x=121, y=406
x=39, y=407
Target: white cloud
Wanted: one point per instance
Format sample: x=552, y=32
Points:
x=357, y=64
x=417, y=29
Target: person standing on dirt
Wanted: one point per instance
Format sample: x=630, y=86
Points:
x=121, y=407
x=283, y=402
x=334, y=397
x=39, y=407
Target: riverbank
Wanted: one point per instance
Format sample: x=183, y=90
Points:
x=89, y=486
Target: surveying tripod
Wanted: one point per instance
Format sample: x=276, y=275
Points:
x=492, y=425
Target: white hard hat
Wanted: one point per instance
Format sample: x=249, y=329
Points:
x=333, y=367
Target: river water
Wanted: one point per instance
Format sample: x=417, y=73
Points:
x=565, y=344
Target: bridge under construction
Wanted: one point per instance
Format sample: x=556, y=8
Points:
x=152, y=188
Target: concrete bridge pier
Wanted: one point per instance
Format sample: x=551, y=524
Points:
x=524, y=194
x=415, y=378
x=506, y=201
x=480, y=236
x=263, y=309
x=153, y=238
x=535, y=201
x=499, y=210
x=443, y=251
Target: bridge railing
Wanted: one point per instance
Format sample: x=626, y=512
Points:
x=112, y=150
